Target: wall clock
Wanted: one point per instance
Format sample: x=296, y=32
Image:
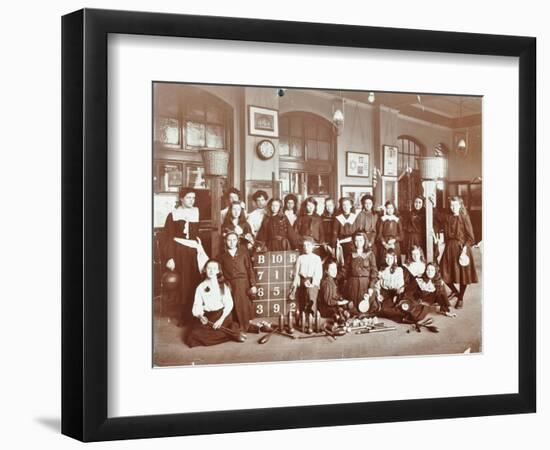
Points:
x=265, y=149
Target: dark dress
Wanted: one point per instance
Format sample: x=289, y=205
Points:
x=310, y=225
x=328, y=227
x=389, y=227
x=415, y=230
x=239, y=273
x=200, y=334
x=329, y=296
x=185, y=259
x=458, y=233
x=245, y=229
x=344, y=227
x=359, y=275
x=277, y=233
x=421, y=291
x=367, y=222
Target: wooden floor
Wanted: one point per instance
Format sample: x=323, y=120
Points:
x=457, y=335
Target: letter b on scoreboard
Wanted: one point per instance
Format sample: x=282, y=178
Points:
x=274, y=275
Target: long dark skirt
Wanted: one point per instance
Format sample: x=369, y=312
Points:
x=205, y=335
x=306, y=298
x=437, y=298
x=242, y=306
x=355, y=288
x=186, y=266
x=451, y=270
x=389, y=309
x=278, y=245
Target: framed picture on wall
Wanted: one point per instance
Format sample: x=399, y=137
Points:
x=357, y=164
x=355, y=192
x=263, y=121
x=390, y=154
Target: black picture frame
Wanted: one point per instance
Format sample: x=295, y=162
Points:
x=84, y=224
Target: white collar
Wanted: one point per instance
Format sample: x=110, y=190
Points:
x=387, y=217
x=342, y=219
x=187, y=214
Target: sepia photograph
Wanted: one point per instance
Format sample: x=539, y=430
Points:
x=296, y=224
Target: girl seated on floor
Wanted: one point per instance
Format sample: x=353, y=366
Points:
x=390, y=287
x=331, y=302
x=415, y=265
x=430, y=288
x=212, y=308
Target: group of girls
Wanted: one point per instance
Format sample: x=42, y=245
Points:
x=358, y=255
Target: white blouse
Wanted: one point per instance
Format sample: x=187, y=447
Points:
x=416, y=268
x=388, y=280
x=209, y=298
x=255, y=219
x=309, y=266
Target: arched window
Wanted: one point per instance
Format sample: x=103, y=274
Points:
x=186, y=120
x=306, y=150
x=409, y=149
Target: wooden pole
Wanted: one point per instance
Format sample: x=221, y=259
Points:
x=215, y=211
x=429, y=194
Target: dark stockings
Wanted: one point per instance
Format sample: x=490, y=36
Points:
x=462, y=291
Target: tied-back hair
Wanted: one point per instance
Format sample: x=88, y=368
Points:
x=394, y=266
x=281, y=209
x=436, y=280
x=228, y=192
x=291, y=197
x=395, y=211
x=228, y=220
x=367, y=197
x=342, y=200
x=330, y=260
x=183, y=191
x=221, y=280
x=303, y=207
x=409, y=259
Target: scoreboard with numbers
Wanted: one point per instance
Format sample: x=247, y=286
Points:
x=274, y=275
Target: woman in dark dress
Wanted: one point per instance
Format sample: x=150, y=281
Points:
x=390, y=233
x=291, y=208
x=367, y=220
x=329, y=219
x=235, y=221
x=344, y=227
x=212, y=309
x=459, y=238
x=237, y=269
x=415, y=226
x=276, y=232
x=360, y=273
x=182, y=245
x=309, y=223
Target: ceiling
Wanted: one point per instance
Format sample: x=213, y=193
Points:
x=453, y=111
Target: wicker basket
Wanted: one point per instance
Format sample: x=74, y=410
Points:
x=432, y=167
x=215, y=162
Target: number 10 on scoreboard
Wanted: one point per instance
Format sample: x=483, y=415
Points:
x=274, y=275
